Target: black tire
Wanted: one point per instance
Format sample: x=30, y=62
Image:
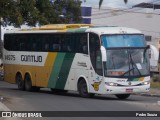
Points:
x=20, y=82
x=28, y=83
x=82, y=89
x=122, y=96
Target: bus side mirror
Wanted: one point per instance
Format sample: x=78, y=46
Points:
x=154, y=56
x=104, y=55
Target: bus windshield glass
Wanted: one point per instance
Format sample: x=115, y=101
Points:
x=127, y=57
x=111, y=41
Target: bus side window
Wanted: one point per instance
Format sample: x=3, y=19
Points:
x=66, y=46
x=33, y=42
x=14, y=42
x=95, y=54
x=9, y=42
x=22, y=42
x=22, y=46
x=70, y=42
x=28, y=43
x=82, y=43
x=6, y=42
x=34, y=46
x=44, y=41
x=56, y=47
x=46, y=47
x=56, y=43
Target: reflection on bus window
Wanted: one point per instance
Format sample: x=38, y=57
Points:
x=48, y=42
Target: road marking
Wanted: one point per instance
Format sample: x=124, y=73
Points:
x=5, y=108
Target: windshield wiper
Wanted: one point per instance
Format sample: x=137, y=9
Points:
x=127, y=72
x=133, y=63
x=133, y=66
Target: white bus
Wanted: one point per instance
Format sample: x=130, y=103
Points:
x=79, y=57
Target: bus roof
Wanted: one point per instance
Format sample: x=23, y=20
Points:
x=62, y=26
x=51, y=28
x=113, y=30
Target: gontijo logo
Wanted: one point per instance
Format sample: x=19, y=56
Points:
x=31, y=58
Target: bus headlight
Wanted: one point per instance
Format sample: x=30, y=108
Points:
x=111, y=84
x=145, y=83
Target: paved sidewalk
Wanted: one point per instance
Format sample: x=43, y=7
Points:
x=4, y=108
x=153, y=93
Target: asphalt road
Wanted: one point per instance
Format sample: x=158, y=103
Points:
x=45, y=100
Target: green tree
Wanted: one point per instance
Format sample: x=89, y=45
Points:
x=29, y=12
x=61, y=11
x=47, y=11
x=70, y=9
x=9, y=13
x=17, y=12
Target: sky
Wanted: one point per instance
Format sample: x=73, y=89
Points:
x=117, y=3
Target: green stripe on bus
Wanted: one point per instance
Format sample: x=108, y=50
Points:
x=55, y=70
x=66, y=67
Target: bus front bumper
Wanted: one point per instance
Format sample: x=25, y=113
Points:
x=126, y=89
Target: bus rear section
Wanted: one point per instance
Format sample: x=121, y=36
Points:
x=51, y=59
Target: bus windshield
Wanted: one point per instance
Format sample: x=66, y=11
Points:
x=126, y=56
x=127, y=63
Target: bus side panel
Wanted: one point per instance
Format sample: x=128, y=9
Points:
x=43, y=73
x=60, y=70
x=79, y=68
x=39, y=74
x=24, y=62
x=70, y=83
x=54, y=76
x=82, y=68
x=64, y=72
x=9, y=73
x=26, y=69
x=11, y=70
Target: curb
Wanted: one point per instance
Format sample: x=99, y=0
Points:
x=150, y=95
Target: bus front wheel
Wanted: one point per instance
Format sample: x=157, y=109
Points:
x=20, y=82
x=122, y=96
x=82, y=88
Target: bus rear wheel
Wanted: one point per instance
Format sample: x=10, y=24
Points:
x=20, y=82
x=82, y=89
x=122, y=96
x=28, y=83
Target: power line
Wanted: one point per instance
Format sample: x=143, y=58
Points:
x=142, y=30
x=124, y=11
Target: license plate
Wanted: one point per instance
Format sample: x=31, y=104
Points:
x=129, y=90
